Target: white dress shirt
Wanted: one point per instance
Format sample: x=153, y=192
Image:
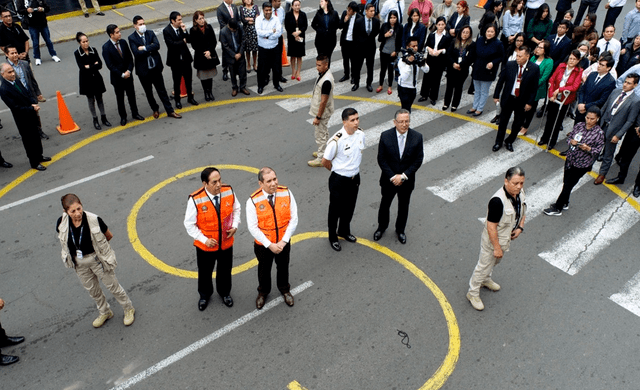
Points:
x=614, y=47
x=191, y=215
x=390, y=5
x=406, y=78
x=252, y=222
x=352, y=22
x=267, y=39
x=279, y=13
x=345, y=152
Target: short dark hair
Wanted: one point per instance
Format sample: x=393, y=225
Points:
x=609, y=59
x=111, y=29
x=633, y=76
x=565, y=23
x=233, y=23
x=6, y=48
x=323, y=58
x=525, y=49
x=69, y=199
x=79, y=36
x=353, y=6
x=514, y=171
x=263, y=171
x=266, y=5
x=369, y=5
x=595, y=110
x=204, y=175
x=174, y=15
x=412, y=39
x=609, y=25
x=347, y=112
x=400, y=112
x=136, y=18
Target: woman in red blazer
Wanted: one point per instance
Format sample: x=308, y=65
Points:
x=567, y=77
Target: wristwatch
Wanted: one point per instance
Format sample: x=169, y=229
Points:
x=521, y=228
x=318, y=118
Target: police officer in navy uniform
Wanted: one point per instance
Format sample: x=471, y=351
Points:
x=212, y=219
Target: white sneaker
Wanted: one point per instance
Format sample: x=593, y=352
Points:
x=38, y=62
x=476, y=302
x=315, y=163
x=129, y=316
x=491, y=285
x=102, y=318
x=55, y=58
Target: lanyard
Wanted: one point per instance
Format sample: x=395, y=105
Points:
x=73, y=238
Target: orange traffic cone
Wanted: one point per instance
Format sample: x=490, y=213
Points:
x=183, y=89
x=285, y=59
x=67, y=125
x=481, y=3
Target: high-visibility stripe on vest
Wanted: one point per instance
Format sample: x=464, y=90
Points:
x=209, y=221
x=273, y=221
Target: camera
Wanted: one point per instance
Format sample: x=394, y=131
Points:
x=418, y=57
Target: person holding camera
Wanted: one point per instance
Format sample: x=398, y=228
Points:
x=408, y=66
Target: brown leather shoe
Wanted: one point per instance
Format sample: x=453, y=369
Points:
x=288, y=299
x=599, y=180
x=156, y=114
x=175, y=115
x=245, y=91
x=260, y=301
x=234, y=92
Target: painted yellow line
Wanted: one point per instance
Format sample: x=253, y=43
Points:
x=295, y=386
x=72, y=14
x=178, y=1
x=150, y=7
x=149, y=257
x=4, y=190
x=119, y=13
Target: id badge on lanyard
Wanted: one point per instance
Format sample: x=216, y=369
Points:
x=73, y=238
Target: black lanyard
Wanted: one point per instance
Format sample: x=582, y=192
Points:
x=73, y=238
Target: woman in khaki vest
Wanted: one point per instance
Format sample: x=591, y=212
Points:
x=85, y=247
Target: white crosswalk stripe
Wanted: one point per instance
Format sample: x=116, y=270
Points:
x=629, y=297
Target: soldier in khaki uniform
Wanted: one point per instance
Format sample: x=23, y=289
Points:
x=321, y=107
x=505, y=221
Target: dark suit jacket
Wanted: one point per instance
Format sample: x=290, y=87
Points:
x=364, y=42
x=228, y=52
x=398, y=41
x=345, y=27
x=389, y=156
x=625, y=116
x=591, y=94
x=205, y=42
x=177, y=49
x=148, y=60
x=441, y=60
x=528, y=84
x=20, y=104
x=32, y=83
x=560, y=51
x=420, y=31
x=117, y=65
x=452, y=22
x=223, y=14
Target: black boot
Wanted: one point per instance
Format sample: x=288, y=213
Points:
x=105, y=121
x=96, y=124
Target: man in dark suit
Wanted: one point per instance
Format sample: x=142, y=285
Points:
x=596, y=88
x=179, y=57
x=347, y=39
x=225, y=12
x=233, y=55
x=619, y=114
x=24, y=109
x=145, y=48
x=560, y=44
x=518, y=84
x=119, y=60
x=366, y=31
x=400, y=155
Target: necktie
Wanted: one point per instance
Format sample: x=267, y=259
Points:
x=216, y=203
x=16, y=83
x=556, y=42
x=118, y=48
x=415, y=74
x=617, y=103
x=231, y=11
x=233, y=38
x=144, y=41
x=399, y=11
x=401, y=144
x=518, y=81
x=368, y=26
x=271, y=200
x=597, y=80
x=606, y=47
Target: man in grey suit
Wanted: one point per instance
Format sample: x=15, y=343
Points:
x=232, y=55
x=225, y=12
x=619, y=114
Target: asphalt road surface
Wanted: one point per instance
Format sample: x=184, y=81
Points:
x=564, y=318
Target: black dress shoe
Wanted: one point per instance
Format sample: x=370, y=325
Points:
x=616, y=180
x=433, y=102
x=377, y=235
x=45, y=159
x=278, y=88
x=260, y=90
x=352, y=81
x=40, y=167
x=5, y=360
x=636, y=191
x=495, y=119
x=355, y=87
x=123, y=121
x=43, y=135
x=283, y=80
x=542, y=143
x=336, y=246
x=96, y=124
x=600, y=157
x=564, y=152
x=178, y=104
x=571, y=115
x=192, y=101
x=508, y=146
x=100, y=13
x=343, y=78
x=423, y=99
x=349, y=237
x=104, y=120
x=496, y=147
x=202, y=304
x=540, y=112
x=225, y=76
x=6, y=164
x=369, y=88
x=9, y=341
x=137, y=117
x=228, y=301
x=402, y=238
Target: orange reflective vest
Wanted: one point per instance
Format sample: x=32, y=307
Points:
x=273, y=221
x=210, y=223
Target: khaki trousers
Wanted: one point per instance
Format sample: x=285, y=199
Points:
x=484, y=269
x=90, y=272
x=322, y=135
x=83, y=4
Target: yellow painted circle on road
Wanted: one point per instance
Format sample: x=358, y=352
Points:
x=150, y=257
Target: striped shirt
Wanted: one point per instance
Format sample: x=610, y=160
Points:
x=593, y=137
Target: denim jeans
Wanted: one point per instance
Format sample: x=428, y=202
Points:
x=481, y=94
x=35, y=37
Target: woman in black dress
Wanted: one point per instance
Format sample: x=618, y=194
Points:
x=248, y=14
x=461, y=55
x=205, y=59
x=91, y=83
x=326, y=23
x=295, y=22
x=437, y=45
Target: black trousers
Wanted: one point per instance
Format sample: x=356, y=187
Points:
x=389, y=191
x=206, y=263
x=265, y=262
x=363, y=55
x=386, y=68
x=572, y=176
x=238, y=70
x=555, y=116
x=3, y=335
x=611, y=17
x=157, y=81
x=455, y=85
x=343, y=193
x=32, y=144
x=178, y=71
x=628, y=150
x=528, y=116
x=514, y=106
x=128, y=88
x=407, y=96
x=431, y=82
x=584, y=4
x=348, y=49
x=269, y=60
